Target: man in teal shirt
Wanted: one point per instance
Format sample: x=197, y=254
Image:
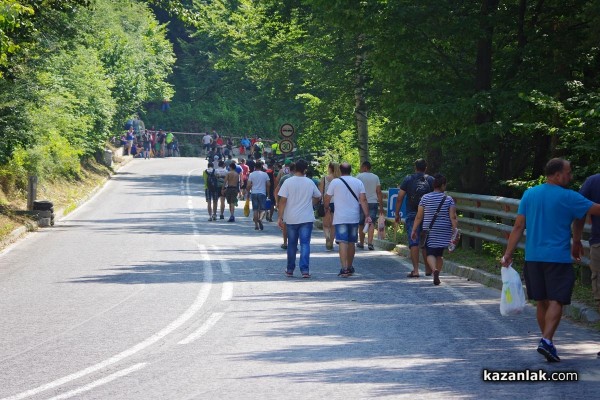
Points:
x=547, y=211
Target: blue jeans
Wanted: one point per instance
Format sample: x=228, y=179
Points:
x=302, y=232
x=346, y=233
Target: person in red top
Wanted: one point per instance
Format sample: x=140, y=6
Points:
x=219, y=141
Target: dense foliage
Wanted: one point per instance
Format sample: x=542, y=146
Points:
x=72, y=71
x=486, y=91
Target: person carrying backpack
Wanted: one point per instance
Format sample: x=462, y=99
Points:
x=258, y=148
x=413, y=187
x=211, y=191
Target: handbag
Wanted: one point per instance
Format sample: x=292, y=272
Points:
x=424, y=235
x=320, y=209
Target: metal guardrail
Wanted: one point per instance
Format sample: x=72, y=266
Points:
x=490, y=219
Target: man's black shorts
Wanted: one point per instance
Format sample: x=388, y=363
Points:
x=549, y=281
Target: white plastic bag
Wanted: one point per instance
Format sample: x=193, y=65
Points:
x=512, y=301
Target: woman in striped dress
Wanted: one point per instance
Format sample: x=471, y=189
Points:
x=440, y=233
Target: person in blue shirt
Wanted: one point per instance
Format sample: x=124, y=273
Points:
x=547, y=212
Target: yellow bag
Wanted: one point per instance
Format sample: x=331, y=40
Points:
x=247, y=208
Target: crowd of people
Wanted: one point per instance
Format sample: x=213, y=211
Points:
x=553, y=215
x=149, y=143
x=214, y=144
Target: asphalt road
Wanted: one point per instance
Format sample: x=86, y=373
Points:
x=136, y=296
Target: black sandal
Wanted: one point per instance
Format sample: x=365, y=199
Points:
x=344, y=273
x=412, y=275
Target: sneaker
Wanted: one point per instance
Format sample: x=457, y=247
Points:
x=284, y=246
x=260, y=225
x=351, y=270
x=360, y=245
x=371, y=247
x=221, y=216
x=214, y=217
x=305, y=275
x=548, y=351
x=210, y=218
x=231, y=219
x=289, y=274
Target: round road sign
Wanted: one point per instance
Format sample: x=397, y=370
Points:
x=286, y=146
x=286, y=130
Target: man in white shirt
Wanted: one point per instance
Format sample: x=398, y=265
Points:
x=375, y=201
x=298, y=194
x=206, y=142
x=258, y=186
x=350, y=197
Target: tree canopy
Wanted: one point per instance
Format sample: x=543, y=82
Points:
x=486, y=91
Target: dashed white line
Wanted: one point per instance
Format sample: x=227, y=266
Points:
x=182, y=319
x=100, y=382
x=210, y=322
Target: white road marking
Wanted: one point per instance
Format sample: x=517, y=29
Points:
x=182, y=319
x=227, y=292
x=100, y=382
x=210, y=322
x=75, y=326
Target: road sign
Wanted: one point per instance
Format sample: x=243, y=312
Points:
x=391, y=206
x=286, y=146
x=287, y=131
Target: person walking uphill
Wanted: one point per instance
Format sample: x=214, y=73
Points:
x=375, y=201
x=211, y=191
x=591, y=191
x=232, y=189
x=298, y=194
x=258, y=186
x=547, y=211
x=350, y=196
x=413, y=187
x=437, y=214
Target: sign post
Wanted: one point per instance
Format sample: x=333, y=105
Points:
x=391, y=206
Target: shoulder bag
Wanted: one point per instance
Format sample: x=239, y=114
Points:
x=425, y=232
x=350, y=189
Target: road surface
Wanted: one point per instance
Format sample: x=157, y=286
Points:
x=136, y=296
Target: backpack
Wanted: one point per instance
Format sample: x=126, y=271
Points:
x=419, y=186
x=212, y=181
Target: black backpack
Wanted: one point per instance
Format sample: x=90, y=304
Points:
x=419, y=186
x=212, y=181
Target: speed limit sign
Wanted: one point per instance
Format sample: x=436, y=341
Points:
x=286, y=146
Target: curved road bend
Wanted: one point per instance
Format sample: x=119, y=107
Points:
x=135, y=296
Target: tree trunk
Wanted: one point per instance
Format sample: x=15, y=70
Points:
x=475, y=168
x=360, y=108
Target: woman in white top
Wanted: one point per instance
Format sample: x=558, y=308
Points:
x=333, y=172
